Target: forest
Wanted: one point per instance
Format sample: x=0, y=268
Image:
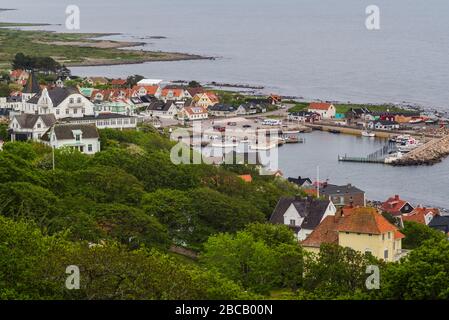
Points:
x=118, y=214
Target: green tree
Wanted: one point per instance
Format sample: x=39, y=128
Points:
x=422, y=275
x=416, y=233
x=242, y=259
x=23, y=150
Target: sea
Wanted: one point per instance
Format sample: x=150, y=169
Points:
x=329, y=50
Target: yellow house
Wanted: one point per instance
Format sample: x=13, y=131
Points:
x=362, y=229
x=205, y=100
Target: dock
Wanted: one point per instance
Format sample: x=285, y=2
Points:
x=375, y=157
x=429, y=153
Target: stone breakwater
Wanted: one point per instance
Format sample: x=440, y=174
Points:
x=430, y=153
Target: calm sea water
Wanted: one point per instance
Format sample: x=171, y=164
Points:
x=309, y=48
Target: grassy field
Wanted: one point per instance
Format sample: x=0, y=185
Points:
x=75, y=49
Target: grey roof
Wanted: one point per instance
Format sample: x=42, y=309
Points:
x=311, y=209
x=27, y=121
x=300, y=181
x=65, y=131
x=332, y=189
x=32, y=85
x=160, y=105
x=222, y=108
x=57, y=95
x=440, y=223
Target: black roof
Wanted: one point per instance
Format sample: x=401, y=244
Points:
x=311, y=209
x=332, y=189
x=160, y=105
x=222, y=108
x=57, y=95
x=300, y=181
x=32, y=85
x=440, y=223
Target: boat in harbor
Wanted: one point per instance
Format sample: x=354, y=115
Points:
x=263, y=146
x=334, y=131
x=368, y=134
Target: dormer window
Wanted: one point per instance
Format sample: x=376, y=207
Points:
x=292, y=222
x=77, y=134
x=78, y=100
x=71, y=100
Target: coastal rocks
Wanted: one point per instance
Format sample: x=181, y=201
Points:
x=430, y=153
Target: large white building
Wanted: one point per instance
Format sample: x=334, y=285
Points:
x=62, y=102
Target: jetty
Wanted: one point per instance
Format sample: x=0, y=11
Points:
x=429, y=153
x=375, y=157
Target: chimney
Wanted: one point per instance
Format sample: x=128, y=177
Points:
x=396, y=197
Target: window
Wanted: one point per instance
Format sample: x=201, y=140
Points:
x=78, y=100
x=89, y=148
x=75, y=111
x=83, y=110
x=57, y=111
x=66, y=111
x=78, y=137
x=39, y=126
x=383, y=237
x=71, y=100
x=292, y=222
x=386, y=254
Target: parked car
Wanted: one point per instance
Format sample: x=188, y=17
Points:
x=246, y=126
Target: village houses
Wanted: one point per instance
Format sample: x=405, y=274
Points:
x=325, y=110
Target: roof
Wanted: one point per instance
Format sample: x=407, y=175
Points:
x=194, y=91
x=393, y=205
x=195, y=110
x=150, y=89
x=440, y=223
x=100, y=116
x=320, y=106
x=332, y=189
x=303, y=114
x=57, y=95
x=386, y=122
x=174, y=92
x=325, y=232
x=222, y=108
x=27, y=121
x=311, y=209
x=32, y=85
x=246, y=177
x=300, y=181
x=118, y=82
x=365, y=220
x=66, y=132
x=160, y=105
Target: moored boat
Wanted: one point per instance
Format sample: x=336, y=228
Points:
x=368, y=134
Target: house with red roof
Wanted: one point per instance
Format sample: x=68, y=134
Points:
x=325, y=110
x=193, y=113
x=172, y=93
x=362, y=229
x=421, y=215
x=146, y=90
x=396, y=206
x=206, y=99
x=118, y=83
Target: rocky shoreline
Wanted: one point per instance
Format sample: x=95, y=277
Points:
x=429, y=154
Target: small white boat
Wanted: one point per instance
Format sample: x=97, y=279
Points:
x=418, y=120
x=263, y=146
x=368, y=134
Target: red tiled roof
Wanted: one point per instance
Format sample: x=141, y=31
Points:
x=319, y=106
x=365, y=220
x=326, y=232
x=246, y=177
x=418, y=214
x=151, y=90
x=398, y=235
x=311, y=192
x=118, y=82
x=175, y=91
x=393, y=205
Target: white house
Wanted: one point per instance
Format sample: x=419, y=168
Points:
x=82, y=137
x=166, y=110
x=302, y=215
x=62, y=102
x=30, y=126
x=325, y=110
x=193, y=113
x=383, y=125
x=149, y=82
